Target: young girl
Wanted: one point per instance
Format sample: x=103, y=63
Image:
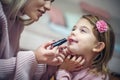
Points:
x=93, y=39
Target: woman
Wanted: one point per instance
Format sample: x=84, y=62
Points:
x=22, y=65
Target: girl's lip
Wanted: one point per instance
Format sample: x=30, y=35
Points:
x=71, y=40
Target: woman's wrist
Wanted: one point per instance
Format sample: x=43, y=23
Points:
x=36, y=56
x=39, y=57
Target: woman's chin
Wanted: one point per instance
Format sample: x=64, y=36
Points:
x=36, y=19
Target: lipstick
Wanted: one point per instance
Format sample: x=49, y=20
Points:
x=59, y=42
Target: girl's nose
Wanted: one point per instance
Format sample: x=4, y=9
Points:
x=72, y=33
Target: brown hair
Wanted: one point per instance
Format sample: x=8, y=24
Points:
x=108, y=37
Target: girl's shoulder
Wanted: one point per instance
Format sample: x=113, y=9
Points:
x=93, y=74
x=88, y=74
x=98, y=76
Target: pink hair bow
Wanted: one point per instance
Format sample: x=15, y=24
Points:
x=101, y=26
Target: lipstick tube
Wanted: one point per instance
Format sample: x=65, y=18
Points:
x=59, y=42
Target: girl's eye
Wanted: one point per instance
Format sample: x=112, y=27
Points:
x=82, y=30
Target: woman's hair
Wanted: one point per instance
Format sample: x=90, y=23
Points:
x=14, y=8
x=108, y=37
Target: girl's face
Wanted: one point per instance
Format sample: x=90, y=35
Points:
x=36, y=8
x=82, y=40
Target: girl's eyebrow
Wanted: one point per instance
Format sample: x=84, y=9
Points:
x=81, y=27
x=84, y=27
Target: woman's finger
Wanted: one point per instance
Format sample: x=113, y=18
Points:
x=60, y=59
x=62, y=56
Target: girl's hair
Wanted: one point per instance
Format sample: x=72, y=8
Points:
x=14, y=7
x=108, y=37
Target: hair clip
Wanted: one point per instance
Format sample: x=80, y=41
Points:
x=101, y=26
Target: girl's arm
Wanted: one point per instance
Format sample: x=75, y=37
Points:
x=63, y=75
x=69, y=65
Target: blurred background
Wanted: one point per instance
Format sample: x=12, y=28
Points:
x=58, y=22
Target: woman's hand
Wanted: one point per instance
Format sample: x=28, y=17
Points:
x=47, y=55
x=72, y=63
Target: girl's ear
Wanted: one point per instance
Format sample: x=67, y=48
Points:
x=99, y=47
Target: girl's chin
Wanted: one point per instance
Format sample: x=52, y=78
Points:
x=73, y=48
x=74, y=52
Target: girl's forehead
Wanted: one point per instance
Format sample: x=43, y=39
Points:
x=84, y=22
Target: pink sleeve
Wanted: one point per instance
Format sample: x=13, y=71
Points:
x=101, y=77
x=7, y=67
x=25, y=65
x=21, y=67
x=63, y=75
x=96, y=77
x=40, y=70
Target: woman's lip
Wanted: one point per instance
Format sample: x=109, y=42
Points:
x=40, y=13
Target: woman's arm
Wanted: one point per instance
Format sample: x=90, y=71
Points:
x=7, y=67
x=25, y=65
x=21, y=67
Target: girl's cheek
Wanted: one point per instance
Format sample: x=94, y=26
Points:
x=74, y=50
